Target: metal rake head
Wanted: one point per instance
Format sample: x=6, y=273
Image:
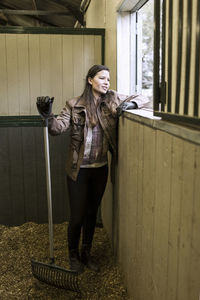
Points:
x=56, y=276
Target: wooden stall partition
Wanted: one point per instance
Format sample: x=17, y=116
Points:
x=158, y=209
x=38, y=62
x=50, y=62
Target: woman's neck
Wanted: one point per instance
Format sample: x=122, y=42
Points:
x=96, y=99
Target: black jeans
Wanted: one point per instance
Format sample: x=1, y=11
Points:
x=85, y=196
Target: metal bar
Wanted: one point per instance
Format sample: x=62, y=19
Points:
x=163, y=82
x=48, y=183
x=179, y=58
x=156, y=77
x=84, y=5
x=197, y=63
x=34, y=12
x=169, y=77
x=188, y=55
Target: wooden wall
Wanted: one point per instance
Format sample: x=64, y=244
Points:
x=38, y=62
x=43, y=64
x=23, y=180
x=156, y=222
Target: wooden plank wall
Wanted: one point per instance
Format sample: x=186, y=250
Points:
x=43, y=64
x=23, y=196
x=33, y=65
x=23, y=180
x=158, y=201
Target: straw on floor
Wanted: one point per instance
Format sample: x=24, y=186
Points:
x=18, y=245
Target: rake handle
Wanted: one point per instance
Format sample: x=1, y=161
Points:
x=48, y=185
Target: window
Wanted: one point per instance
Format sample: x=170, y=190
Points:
x=144, y=49
x=139, y=21
x=158, y=46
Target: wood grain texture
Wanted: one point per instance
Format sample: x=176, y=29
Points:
x=35, y=65
x=158, y=213
x=3, y=77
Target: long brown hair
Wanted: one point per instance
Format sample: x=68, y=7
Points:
x=88, y=96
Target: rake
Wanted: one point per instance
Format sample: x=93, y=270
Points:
x=51, y=273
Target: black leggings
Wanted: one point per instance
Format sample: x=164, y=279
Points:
x=85, y=196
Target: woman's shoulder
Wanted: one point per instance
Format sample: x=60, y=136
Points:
x=72, y=102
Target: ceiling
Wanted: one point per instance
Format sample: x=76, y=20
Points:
x=41, y=13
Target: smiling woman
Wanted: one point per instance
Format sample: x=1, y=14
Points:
x=93, y=121
x=100, y=83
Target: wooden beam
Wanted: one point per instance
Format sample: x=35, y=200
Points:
x=34, y=12
x=74, y=10
x=27, y=21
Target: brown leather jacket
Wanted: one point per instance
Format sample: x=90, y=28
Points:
x=74, y=115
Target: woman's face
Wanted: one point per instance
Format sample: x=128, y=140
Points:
x=100, y=83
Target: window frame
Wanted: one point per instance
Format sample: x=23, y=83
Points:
x=127, y=50
x=161, y=86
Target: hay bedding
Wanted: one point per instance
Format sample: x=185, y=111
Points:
x=18, y=245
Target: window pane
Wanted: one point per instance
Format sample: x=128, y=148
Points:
x=145, y=48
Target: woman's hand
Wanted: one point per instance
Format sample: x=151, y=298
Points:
x=125, y=106
x=44, y=105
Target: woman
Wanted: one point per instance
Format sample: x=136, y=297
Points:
x=93, y=121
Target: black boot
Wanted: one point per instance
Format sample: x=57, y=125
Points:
x=74, y=261
x=87, y=259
